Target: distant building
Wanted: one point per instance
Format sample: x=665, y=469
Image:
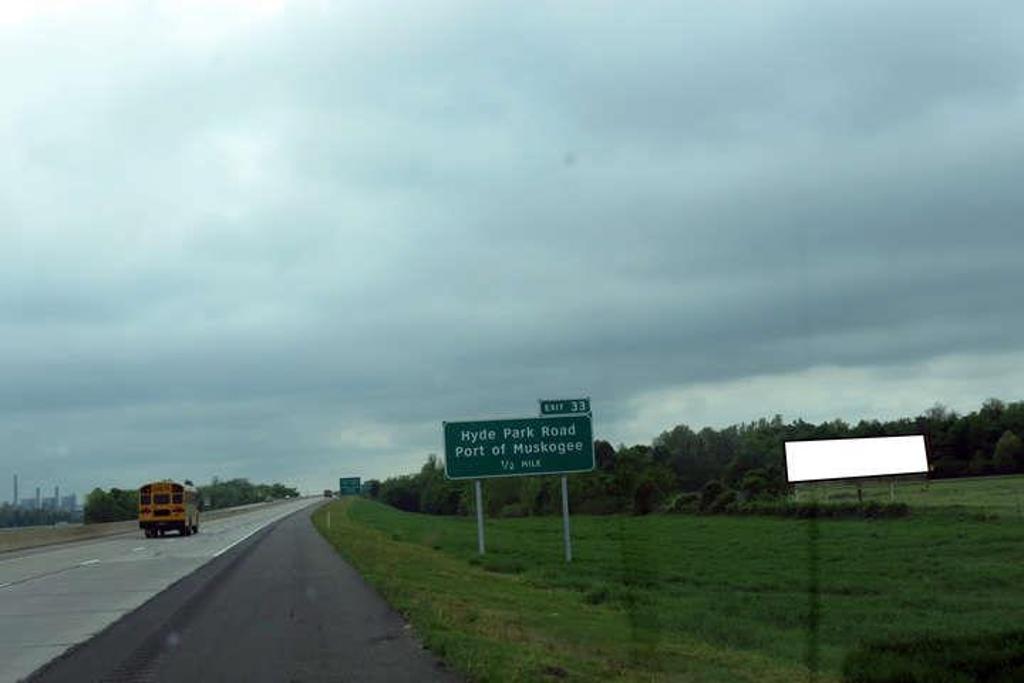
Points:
x=67, y=503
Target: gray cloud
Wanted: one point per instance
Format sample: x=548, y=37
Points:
x=289, y=244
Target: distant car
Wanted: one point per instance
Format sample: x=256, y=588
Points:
x=328, y=493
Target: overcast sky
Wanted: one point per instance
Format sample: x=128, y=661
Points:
x=285, y=240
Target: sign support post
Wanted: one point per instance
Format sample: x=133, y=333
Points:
x=565, y=518
x=555, y=443
x=479, y=516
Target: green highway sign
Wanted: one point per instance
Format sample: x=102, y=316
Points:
x=507, y=448
x=564, y=406
x=349, y=486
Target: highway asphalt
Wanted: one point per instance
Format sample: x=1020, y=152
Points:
x=279, y=606
x=55, y=597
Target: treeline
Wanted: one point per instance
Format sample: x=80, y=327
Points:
x=717, y=470
x=11, y=516
x=115, y=505
x=234, y=492
x=118, y=505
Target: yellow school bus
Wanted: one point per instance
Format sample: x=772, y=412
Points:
x=166, y=505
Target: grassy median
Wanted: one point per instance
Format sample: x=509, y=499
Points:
x=683, y=597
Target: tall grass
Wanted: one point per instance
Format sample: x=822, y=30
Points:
x=666, y=597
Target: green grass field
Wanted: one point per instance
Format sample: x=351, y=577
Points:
x=1000, y=495
x=712, y=598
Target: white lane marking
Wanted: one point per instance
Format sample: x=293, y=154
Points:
x=5, y=585
x=88, y=562
x=231, y=545
x=139, y=549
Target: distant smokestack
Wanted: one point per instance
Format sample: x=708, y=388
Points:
x=15, y=490
x=56, y=496
x=39, y=499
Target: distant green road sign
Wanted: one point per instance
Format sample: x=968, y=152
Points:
x=564, y=406
x=349, y=486
x=508, y=448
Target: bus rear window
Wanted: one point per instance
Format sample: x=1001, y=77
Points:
x=144, y=499
x=177, y=497
x=161, y=499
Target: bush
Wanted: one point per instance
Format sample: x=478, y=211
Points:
x=684, y=502
x=992, y=658
x=514, y=510
x=755, y=484
x=401, y=492
x=372, y=488
x=1009, y=454
x=980, y=464
x=605, y=505
x=948, y=466
x=722, y=502
x=785, y=508
x=709, y=492
x=240, y=491
x=503, y=565
x=647, y=497
x=117, y=505
x=597, y=595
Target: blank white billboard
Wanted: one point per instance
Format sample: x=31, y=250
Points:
x=882, y=456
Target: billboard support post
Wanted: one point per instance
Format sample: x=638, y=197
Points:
x=479, y=517
x=565, y=518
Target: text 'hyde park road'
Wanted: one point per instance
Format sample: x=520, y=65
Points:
x=501, y=448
